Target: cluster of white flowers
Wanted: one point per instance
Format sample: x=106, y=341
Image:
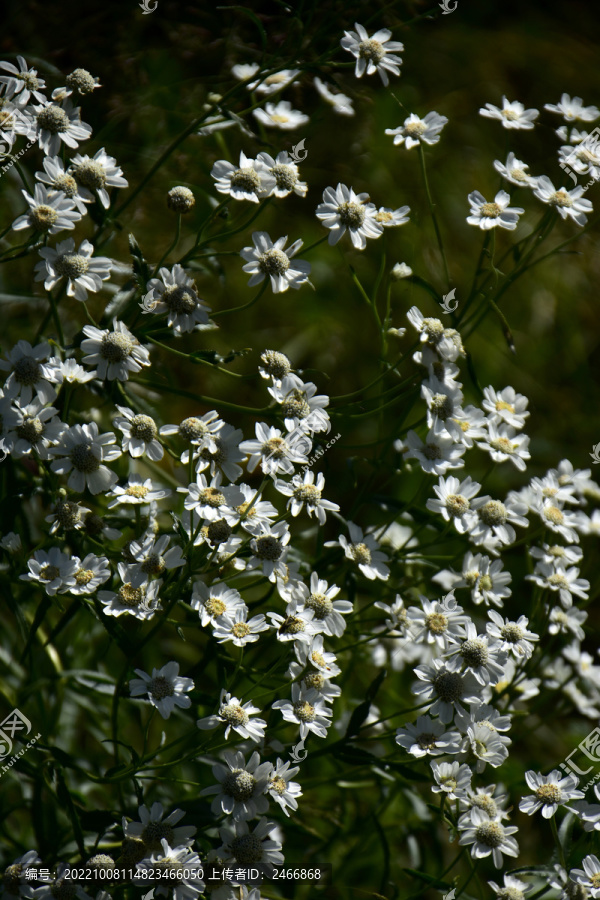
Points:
x=474, y=673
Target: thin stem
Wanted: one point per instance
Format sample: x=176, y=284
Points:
x=432, y=211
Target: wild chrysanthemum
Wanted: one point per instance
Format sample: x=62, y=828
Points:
x=515, y=171
x=165, y=688
x=57, y=179
x=94, y=174
x=453, y=501
x=248, y=181
x=307, y=709
x=136, y=492
x=82, y=271
x=568, y=203
x=175, y=293
x=241, y=786
x=251, y=848
x=174, y=872
x=340, y=102
x=236, y=627
x=60, y=122
x=271, y=259
x=237, y=717
x=22, y=82
x=320, y=598
x=140, y=434
x=115, y=353
x=427, y=737
x=550, y=792
x=31, y=428
x=487, y=837
x=363, y=550
x=486, y=215
x=342, y=209
x=54, y=569
x=136, y=596
x=512, y=115
x=453, y=779
x=81, y=451
x=415, y=130
x=573, y=110
x=49, y=211
x=285, y=173
x=373, y=54
x=280, y=115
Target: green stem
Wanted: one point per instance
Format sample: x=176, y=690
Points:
x=432, y=211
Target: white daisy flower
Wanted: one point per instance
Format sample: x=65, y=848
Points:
x=467, y=425
x=504, y=443
x=514, y=636
x=136, y=596
x=416, y=130
x=82, y=81
x=512, y=115
x=562, y=521
x=196, y=431
x=249, y=181
x=557, y=555
x=269, y=549
x=440, y=343
x=115, y=353
x=328, y=612
x=60, y=122
x=66, y=514
x=567, y=621
x=235, y=715
x=342, y=209
x=175, y=293
x=63, y=882
x=486, y=579
x=515, y=171
x=275, y=82
x=22, y=81
x=271, y=259
x=363, y=550
x=445, y=689
x=589, y=876
x=57, y=179
x=314, y=654
x=54, y=569
x=307, y=709
x=12, y=877
x=251, y=849
x=453, y=502
x=487, y=836
x=438, y=453
x=151, y=558
x=558, y=578
x=244, y=71
x=568, y=203
x=165, y=688
x=92, y=572
x=573, y=110
x=486, y=215
x=340, y=102
x=69, y=371
x=220, y=451
x=505, y=406
x=477, y=654
x=373, y=54
x=139, y=434
x=241, y=788
x=452, y=779
x=276, y=453
x=179, y=868
x=495, y=520
x=15, y=120
x=234, y=627
x=275, y=366
x=281, y=788
x=583, y=158
x=31, y=428
x=304, y=492
x=154, y=826
x=213, y=501
x=82, y=272
x=550, y=792
x=427, y=737
x=391, y=218
x=301, y=406
x=435, y=622
x=94, y=174
x=49, y=211
x=280, y=115
x=285, y=173
x=137, y=492
x=81, y=452
x=215, y=601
